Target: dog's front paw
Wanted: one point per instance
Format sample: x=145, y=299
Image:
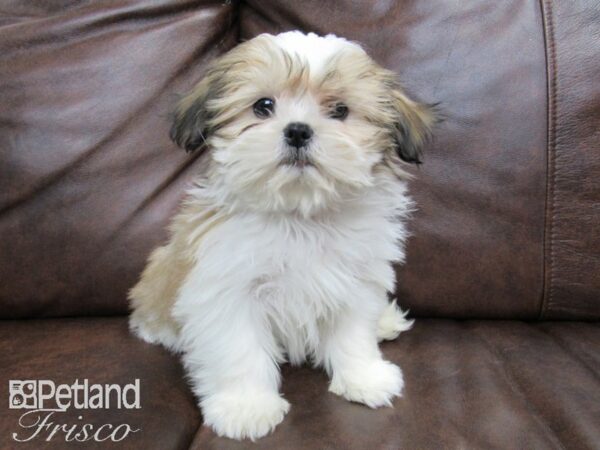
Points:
x=244, y=414
x=374, y=384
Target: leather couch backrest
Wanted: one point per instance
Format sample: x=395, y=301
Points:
x=508, y=224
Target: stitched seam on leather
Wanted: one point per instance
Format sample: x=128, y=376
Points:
x=549, y=232
x=516, y=387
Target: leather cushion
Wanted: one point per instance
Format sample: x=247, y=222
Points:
x=572, y=281
x=88, y=175
x=469, y=384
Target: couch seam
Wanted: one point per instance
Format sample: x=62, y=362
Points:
x=550, y=201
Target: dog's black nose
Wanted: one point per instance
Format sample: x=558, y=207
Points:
x=297, y=134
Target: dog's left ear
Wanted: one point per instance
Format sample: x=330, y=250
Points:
x=412, y=126
x=190, y=129
x=193, y=120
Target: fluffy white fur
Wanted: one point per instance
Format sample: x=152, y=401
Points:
x=269, y=263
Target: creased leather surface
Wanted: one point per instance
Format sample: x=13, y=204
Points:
x=88, y=176
x=469, y=384
x=572, y=259
x=478, y=234
x=103, y=351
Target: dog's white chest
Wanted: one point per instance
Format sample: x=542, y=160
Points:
x=298, y=274
x=305, y=272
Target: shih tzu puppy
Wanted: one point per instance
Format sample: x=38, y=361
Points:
x=283, y=249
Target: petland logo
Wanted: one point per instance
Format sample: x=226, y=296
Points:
x=44, y=401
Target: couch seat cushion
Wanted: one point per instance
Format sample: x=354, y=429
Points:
x=469, y=384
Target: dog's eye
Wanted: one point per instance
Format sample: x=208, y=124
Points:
x=264, y=107
x=339, y=111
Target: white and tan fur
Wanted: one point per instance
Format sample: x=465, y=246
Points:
x=270, y=262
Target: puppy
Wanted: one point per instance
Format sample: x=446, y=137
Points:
x=283, y=249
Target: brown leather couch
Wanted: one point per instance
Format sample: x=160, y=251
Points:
x=503, y=271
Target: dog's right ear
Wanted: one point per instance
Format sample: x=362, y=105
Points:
x=412, y=127
x=191, y=121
